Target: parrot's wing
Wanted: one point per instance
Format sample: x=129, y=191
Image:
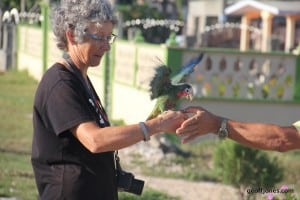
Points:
x=161, y=81
x=187, y=69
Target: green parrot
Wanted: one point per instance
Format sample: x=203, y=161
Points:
x=169, y=90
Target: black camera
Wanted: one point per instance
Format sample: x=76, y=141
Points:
x=127, y=183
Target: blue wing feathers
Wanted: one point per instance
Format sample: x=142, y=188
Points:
x=187, y=69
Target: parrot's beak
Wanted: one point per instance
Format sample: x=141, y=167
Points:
x=190, y=95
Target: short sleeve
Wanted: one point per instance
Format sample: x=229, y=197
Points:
x=297, y=125
x=67, y=106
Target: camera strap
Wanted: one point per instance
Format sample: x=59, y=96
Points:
x=91, y=93
x=117, y=162
x=103, y=119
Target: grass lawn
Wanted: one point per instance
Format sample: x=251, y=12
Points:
x=16, y=176
x=16, y=97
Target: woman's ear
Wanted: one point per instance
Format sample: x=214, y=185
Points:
x=70, y=36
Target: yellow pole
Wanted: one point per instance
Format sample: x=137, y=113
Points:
x=266, y=31
x=244, y=40
x=290, y=33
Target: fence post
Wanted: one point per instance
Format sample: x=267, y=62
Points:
x=45, y=29
x=3, y=50
x=107, y=82
x=0, y=28
x=108, y=77
x=174, y=58
x=9, y=41
x=297, y=81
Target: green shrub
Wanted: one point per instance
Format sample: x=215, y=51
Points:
x=243, y=167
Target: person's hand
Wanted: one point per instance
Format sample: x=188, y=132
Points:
x=200, y=123
x=171, y=120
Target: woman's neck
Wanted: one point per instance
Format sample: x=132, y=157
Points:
x=79, y=64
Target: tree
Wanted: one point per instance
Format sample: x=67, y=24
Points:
x=153, y=32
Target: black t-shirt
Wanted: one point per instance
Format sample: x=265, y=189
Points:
x=63, y=167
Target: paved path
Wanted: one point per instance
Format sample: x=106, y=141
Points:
x=188, y=190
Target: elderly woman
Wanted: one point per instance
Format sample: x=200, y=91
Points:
x=73, y=144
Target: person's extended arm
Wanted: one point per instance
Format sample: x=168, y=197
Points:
x=256, y=135
x=112, y=138
x=264, y=136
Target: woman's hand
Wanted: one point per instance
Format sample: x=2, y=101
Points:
x=171, y=120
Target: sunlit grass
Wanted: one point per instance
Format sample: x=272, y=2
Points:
x=16, y=100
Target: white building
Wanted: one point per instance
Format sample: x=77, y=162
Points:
x=276, y=24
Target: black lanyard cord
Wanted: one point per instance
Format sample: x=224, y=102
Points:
x=93, y=97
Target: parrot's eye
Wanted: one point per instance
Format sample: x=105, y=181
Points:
x=187, y=90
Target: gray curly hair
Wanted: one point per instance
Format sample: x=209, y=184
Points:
x=76, y=15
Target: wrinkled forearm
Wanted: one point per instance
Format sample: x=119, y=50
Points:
x=112, y=138
x=264, y=136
